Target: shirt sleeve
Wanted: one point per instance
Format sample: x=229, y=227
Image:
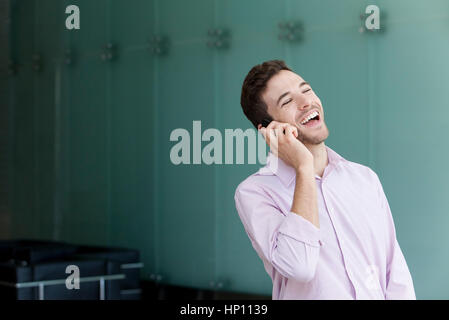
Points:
x=399, y=284
x=290, y=243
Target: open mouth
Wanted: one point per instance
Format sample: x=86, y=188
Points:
x=311, y=120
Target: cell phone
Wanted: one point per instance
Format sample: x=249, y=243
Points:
x=266, y=122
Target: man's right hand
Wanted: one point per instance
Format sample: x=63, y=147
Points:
x=282, y=140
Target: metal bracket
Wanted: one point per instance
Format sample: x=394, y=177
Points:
x=156, y=277
x=291, y=31
x=219, y=38
x=109, y=52
x=219, y=284
x=159, y=45
x=68, y=57
x=37, y=62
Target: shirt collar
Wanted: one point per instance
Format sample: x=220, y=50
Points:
x=287, y=174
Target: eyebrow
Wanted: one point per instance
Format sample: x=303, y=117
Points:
x=304, y=83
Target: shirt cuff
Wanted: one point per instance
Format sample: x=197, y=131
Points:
x=301, y=229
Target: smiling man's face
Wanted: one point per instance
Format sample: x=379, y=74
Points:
x=289, y=98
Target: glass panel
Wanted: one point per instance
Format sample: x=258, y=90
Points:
x=132, y=131
x=254, y=40
x=185, y=193
x=89, y=117
x=411, y=134
x=22, y=16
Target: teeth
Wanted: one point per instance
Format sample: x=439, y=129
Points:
x=312, y=115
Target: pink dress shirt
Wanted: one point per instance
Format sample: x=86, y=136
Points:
x=353, y=255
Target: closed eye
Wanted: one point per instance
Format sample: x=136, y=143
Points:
x=307, y=90
x=287, y=102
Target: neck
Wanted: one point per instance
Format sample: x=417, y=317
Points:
x=320, y=159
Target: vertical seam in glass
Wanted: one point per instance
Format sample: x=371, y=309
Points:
x=108, y=128
x=36, y=221
x=12, y=101
x=156, y=146
x=286, y=47
x=68, y=158
x=57, y=153
x=216, y=172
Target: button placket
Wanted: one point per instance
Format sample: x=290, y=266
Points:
x=340, y=242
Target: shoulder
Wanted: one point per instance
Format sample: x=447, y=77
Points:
x=258, y=183
x=361, y=172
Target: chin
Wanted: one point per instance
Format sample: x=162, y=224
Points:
x=316, y=138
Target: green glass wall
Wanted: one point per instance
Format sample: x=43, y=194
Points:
x=92, y=137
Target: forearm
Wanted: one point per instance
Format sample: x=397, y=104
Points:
x=289, y=242
x=305, y=198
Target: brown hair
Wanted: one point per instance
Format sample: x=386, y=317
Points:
x=254, y=84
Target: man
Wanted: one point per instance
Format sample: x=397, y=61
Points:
x=321, y=224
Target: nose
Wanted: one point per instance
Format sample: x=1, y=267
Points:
x=303, y=101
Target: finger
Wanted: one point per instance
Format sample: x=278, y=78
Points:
x=277, y=130
x=263, y=132
x=273, y=140
x=281, y=125
x=291, y=132
x=279, y=133
x=276, y=141
x=267, y=134
x=284, y=125
x=295, y=131
x=273, y=124
x=273, y=136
